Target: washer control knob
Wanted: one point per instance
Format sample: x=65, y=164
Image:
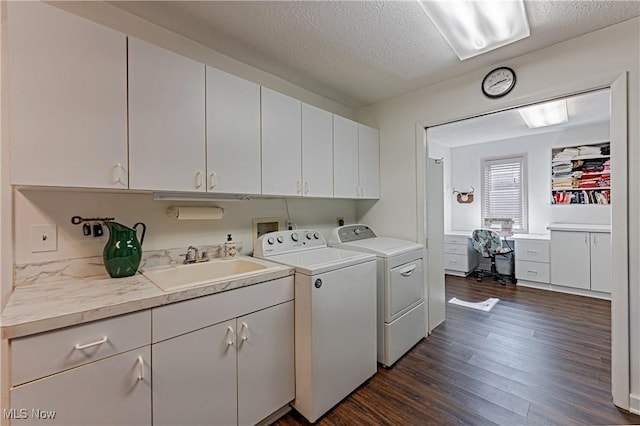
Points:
x=280, y=239
x=316, y=235
x=309, y=235
x=357, y=231
x=295, y=236
x=270, y=240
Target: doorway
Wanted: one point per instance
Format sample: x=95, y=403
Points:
x=618, y=220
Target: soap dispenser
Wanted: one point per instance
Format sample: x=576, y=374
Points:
x=230, y=250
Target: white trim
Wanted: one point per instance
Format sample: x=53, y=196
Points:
x=634, y=406
x=620, y=369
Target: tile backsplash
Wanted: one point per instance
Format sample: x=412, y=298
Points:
x=93, y=267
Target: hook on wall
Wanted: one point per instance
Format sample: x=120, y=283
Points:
x=464, y=197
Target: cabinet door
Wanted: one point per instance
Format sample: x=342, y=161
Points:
x=345, y=158
x=368, y=162
x=194, y=378
x=103, y=392
x=68, y=99
x=570, y=259
x=317, y=152
x=281, y=146
x=166, y=119
x=233, y=134
x=601, y=267
x=266, y=363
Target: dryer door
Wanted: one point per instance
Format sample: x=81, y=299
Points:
x=406, y=288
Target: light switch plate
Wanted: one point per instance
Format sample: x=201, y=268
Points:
x=44, y=238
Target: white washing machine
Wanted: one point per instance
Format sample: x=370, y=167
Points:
x=335, y=316
x=401, y=318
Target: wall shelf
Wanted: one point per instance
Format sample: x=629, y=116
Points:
x=573, y=167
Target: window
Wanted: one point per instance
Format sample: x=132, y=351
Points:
x=504, y=190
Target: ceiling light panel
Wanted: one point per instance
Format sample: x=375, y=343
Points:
x=546, y=114
x=474, y=27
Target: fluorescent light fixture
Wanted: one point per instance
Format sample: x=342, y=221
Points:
x=547, y=114
x=188, y=196
x=473, y=27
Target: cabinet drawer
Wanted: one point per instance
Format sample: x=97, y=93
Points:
x=532, y=271
x=535, y=251
x=456, y=239
x=47, y=353
x=456, y=249
x=183, y=317
x=456, y=262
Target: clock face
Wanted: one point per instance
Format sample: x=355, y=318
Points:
x=499, y=82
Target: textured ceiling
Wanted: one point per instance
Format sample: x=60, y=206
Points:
x=583, y=110
x=359, y=52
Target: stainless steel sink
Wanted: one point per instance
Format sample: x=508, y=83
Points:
x=174, y=277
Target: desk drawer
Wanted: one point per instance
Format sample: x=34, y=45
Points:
x=456, y=249
x=456, y=262
x=532, y=271
x=456, y=239
x=532, y=250
x=50, y=352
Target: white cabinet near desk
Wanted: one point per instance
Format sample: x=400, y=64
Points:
x=459, y=256
x=532, y=259
x=67, y=96
x=581, y=259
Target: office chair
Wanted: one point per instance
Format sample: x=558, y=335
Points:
x=489, y=244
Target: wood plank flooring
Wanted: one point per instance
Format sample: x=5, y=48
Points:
x=538, y=358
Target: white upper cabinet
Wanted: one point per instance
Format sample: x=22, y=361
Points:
x=317, y=152
x=345, y=158
x=68, y=99
x=368, y=162
x=356, y=160
x=281, y=146
x=233, y=134
x=166, y=120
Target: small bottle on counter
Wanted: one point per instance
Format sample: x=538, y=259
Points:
x=230, y=250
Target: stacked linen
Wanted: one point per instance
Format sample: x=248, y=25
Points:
x=589, y=150
x=567, y=153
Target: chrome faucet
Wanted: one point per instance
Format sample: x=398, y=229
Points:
x=192, y=256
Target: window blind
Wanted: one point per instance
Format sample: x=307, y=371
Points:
x=504, y=190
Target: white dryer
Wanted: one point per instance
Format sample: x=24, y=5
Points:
x=401, y=318
x=335, y=316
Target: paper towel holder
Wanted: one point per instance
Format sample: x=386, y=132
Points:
x=195, y=213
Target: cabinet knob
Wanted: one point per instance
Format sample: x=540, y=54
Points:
x=232, y=336
x=199, y=180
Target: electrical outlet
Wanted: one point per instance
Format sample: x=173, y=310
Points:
x=44, y=238
x=340, y=221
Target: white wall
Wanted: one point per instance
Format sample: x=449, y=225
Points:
x=593, y=60
x=466, y=171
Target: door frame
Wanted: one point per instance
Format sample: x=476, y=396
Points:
x=617, y=83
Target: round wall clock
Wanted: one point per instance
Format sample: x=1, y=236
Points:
x=498, y=82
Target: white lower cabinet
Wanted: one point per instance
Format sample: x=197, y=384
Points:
x=114, y=391
x=459, y=256
x=237, y=371
x=90, y=374
x=581, y=260
x=532, y=260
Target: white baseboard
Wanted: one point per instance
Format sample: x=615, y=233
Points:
x=634, y=406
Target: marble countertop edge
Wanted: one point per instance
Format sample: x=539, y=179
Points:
x=43, y=307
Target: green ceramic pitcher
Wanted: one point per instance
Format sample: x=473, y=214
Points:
x=123, y=252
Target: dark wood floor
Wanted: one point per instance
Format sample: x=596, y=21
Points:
x=539, y=357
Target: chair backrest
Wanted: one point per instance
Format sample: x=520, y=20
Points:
x=487, y=242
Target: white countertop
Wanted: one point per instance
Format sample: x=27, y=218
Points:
x=35, y=308
x=580, y=227
x=544, y=237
